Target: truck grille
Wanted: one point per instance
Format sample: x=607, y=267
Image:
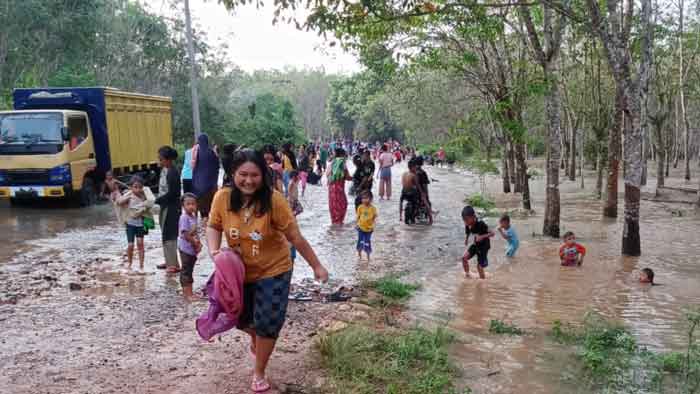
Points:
x=27, y=177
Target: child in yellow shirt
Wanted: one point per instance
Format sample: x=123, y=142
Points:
x=366, y=218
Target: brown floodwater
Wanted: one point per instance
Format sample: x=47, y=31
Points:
x=117, y=321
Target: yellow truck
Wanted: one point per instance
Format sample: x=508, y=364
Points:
x=60, y=142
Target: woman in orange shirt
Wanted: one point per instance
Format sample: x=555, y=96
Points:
x=258, y=223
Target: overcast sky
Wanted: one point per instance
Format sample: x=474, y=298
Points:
x=254, y=43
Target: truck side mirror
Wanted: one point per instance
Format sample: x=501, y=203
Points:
x=64, y=133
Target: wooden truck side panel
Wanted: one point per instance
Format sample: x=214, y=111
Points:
x=137, y=125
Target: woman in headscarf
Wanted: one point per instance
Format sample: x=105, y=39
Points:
x=337, y=176
x=205, y=174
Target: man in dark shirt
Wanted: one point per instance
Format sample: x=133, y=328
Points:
x=363, y=177
x=481, y=244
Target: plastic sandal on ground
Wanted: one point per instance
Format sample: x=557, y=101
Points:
x=260, y=385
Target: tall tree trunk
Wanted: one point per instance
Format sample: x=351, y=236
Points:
x=581, y=157
x=572, y=162
x=193, y=72
x=637, y=99
x=614, y=153
x=515, y=168
x=506, y=171
x=552, y=204
x=520, y=157
x=660, y=161
x=681, y=91
x=599, y=175
x=511, y=165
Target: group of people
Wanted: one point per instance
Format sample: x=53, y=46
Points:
x=255, y=212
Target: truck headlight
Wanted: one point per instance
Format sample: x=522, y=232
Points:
x=60, y=174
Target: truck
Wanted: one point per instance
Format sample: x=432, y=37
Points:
x=60, y=142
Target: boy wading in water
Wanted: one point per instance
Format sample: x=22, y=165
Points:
x=481, y=245
x=571, y=252
x=366, y=218
x=188, y=242
x=508, y=233
x=410, y=194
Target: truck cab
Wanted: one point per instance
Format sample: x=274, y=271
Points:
x=46, y=153
x=60, y=142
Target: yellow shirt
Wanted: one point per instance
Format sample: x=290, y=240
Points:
x=287, y=163
x=262, y=241
x=365, y=217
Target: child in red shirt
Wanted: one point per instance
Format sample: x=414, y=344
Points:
x=571, y=253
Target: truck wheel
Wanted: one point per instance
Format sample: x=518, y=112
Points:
x=88, y=195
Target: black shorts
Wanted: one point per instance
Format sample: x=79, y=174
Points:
x=481, y=255
x=134, y=232
x=188, y=261
x=265, y=305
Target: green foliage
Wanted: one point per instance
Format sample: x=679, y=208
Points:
x=274, y=123
x=612, y=361
x=500, y=327
x=392, y=288
x=480, y=201
x=414, y=361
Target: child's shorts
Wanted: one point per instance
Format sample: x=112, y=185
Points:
x=481, y=256
x=134, y=232
x=364, y=241
x=188, y=261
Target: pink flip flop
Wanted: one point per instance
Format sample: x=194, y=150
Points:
x=260, y=385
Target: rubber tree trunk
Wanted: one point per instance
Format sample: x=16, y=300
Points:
x=196, y=125
x=515, y=178
x=599, y=175
x=572, y=159
x=506, y=172
x=552, y=204
x=520, y=157
x=614, y=153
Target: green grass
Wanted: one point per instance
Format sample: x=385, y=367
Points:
x=390, y=290
x=414, y=361
x=478, y=200
x=500, y=327
x=610, y=360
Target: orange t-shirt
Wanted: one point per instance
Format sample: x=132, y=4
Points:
x=262, y=241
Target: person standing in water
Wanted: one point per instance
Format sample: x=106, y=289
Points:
x=338, y=175
x=366, y=219
x=169, y=201
x=205, y=174
x=188, y=242
x=289, y=164
x=480, y=245
x=386, y=161
x=258, y=222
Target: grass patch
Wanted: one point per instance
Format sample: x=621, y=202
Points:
x=610, y=360
x=478, y=200
x=390, y=291
x=413, y=361
x=502, y=328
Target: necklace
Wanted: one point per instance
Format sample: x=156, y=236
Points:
x=247, y=213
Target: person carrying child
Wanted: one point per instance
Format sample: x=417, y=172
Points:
x=508, y=233
x=481, y=244
x=366, y=219
x=188, y=243
x=137, y=208
x=571, y=252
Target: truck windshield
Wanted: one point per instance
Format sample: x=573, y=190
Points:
x=31, y=128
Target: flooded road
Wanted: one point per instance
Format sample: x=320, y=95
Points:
x=120, y=332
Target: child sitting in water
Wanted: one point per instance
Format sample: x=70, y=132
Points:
x=188, y=243
x=508, y=233
x=481, y=245
x=110, y=187
x=366, y=218
x=647, y=276
x=571, y=253
x=138, y=207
